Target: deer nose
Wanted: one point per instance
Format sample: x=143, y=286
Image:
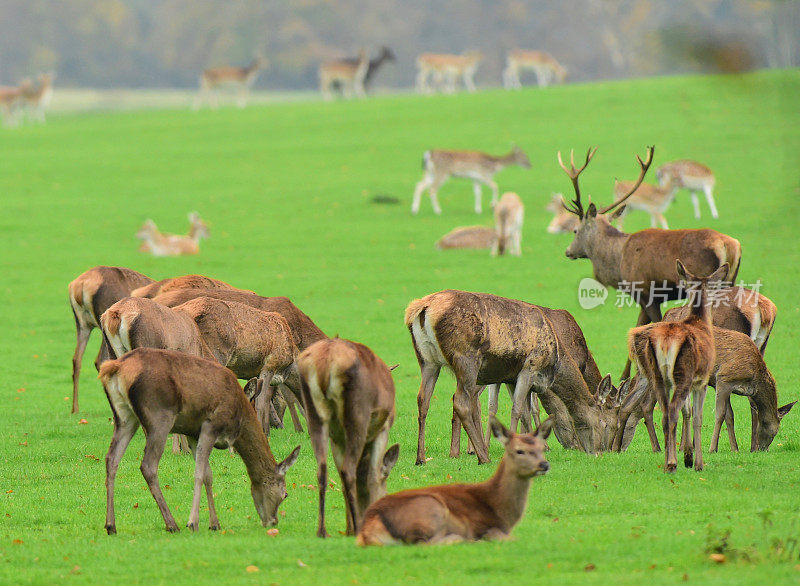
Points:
x=544, y=466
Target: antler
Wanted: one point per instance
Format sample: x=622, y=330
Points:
x=644, y=165
x=573, y=173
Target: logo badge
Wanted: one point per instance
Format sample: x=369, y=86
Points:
x=591, y=293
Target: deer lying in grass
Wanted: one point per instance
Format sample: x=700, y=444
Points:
x=677, y=358
x=563, y=222
x=693, y=176
x=479, y=167
x=509, y=214
x=543, y=65
x=643, y=263
x=185, y=282
x=349, y=74
x=446, y=70
x=166, y=391
x=90, y=294
x=159, y=244
x=476, y=237
x=349, y=396
x=240, y=77
x=463, y=512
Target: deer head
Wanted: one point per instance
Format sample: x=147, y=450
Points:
x=519, y=157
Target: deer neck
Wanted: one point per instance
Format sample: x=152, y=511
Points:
x=253, y=446
x=700, y=304
x=606, y=254
x=507, y=493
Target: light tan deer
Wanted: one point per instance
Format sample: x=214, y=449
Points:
x=509, y=214
x=349, y=396
x=90, y=294
x=678, y=358
x=36, y=99
x=543, y=64
x=158, y=244
x=239, y=77
x=653, y=199
x=166, y=391
x=477, y=237
x=563, y=221
x=463, y=512
x=184, y=282
x=692, y=176
x=11, y=102
x=476, y=166
x=446, y=69
x=349, y=74
x=643, y=263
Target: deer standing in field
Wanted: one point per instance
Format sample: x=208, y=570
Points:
x=166, y=391
x=463, y=512
x=479, y=167
x=692, y=176
x=349, y=396
x=158, y=244
x=349, y=74
x=477, y=237
x=446, y=69
x=239, y=77
x=90, y=294
x=653, y=199
x=35, y=100
x=677, y=358
x=184, y=282
x=11, y=102
x=543, y=64
x=509, y=214
x=643, y=263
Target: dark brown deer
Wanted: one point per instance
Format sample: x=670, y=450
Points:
x=349, y=396
x=643, y=263
x=166, y=391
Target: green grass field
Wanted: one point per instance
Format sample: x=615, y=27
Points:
x=286, y=189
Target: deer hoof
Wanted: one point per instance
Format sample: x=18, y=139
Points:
x=111, y=529
x=214, y=527
x=322, y=533
x=192, y=526
x=688, y=460
x=173, y=528
x=670, y=468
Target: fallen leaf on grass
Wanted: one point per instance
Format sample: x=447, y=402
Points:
x=82, y=422
x=9, y=491
x=301, y=564
x=718, y=558
x=17, y=542
x=75, y=570
x=252, y=569
x=589, y=568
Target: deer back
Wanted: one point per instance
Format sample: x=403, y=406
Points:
x=94, y=291
x=185, y=282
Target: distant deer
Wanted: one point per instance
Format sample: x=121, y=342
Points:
x=563, y=221
x=349, y=74
x=463, y=512
x=479, y=167
x=643, y=263
x=156, y=288
x=543, y=64
x=385, y=55
x=478, y=237
x=90, y=294
x=240, y=77
x=166, y=391
x=446, y=69
x=653, y=199
x=693, y=176
x=677, y=358
x=509, y=214
x=35, y=100
x=349, y=396
x=159, y=244
x=11, y=102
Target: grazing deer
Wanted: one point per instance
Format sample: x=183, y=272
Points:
x=385, y=55
x=159, y=244
x=463, y=512
x=692, y=176
x=90, y=294
x=677, y=358
x=349, y=74
x=508, y=216
x=643, y=263
x=653, y=199
x=35, y=100
x=166, y=391
x=446, y=70
x=11, y=101
x=563, y=221
x=185, y=282
x=477, y=237
x=543, y=64
x=349, y=396
x=479, y=167
x=242, y=77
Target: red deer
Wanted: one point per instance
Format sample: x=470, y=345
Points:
x=241, y=77
x=543, y=65
x=349, y=396
x=166, y=391
x=446, y=70
x=509, y=214
x=463, y=512
x=185, y=282
x=693, y=176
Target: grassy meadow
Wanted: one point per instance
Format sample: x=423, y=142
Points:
x=287, y=191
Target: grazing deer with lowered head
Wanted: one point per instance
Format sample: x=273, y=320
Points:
x=479, y=167
x=184, y=282
x=563, y=221
x=159, y=244
x=653, y=199
x=463, y=512
x=349, y=396
x=35, y=100
x=543, y=64
x=349, y=74
x=166, y=391
x=446, y=69
x=692, y=176
x=509, y=214
x=477, y=237
x=677, y=358
x=240, y=77
x=643, y=263
x=90, y=294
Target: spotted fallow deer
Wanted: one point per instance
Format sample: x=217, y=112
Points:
x=166, y=391
x=509, y=214
x=239, y=77
x=653, y=199
x=477, y=237
x=158, y=244
x=563, y=221
x=446, y=70
x=183, y=282
x=692, y=176
x=543, y=64
x=643, y=263
x=90, y=294
x=463, y=512
x=349, y=74
x=476, y=166
x=349, y=396
x=36, y=99
x=677, y=358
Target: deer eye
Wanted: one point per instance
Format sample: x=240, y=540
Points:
x=520, y=452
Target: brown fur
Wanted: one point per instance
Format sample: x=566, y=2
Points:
x=185, y=282
x=477, y=237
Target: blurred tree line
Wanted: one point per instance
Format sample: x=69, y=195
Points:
x=166, y=43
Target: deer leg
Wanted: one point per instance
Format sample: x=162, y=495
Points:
x=201, y=448
x=651, y=427
x=522, y=388
x=318, y=431
x=468, y=82
x=292, y=402
x=455, y=432
x=495, y=191
x=720, y=409
x=430, y=372
x=432, y=193
x=476, y=415
x=353, y=449
x=422, y=185
x=476, y=188
x=698, y=397
x=534, y=403
x=467, y=391
x=710, y=199
x=663, y=221
x=642, y=320
x=491, y=406
x=156, y=437
x=695, y=204
x=729, y=424
x=263, y=401
x=124, y=430
x=754, y=425
x=83, y=331
x=686, y=445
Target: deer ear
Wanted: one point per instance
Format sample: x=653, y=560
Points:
x=591, y=212
x=782, y=411
x=290, y=459
x=252, y=388
x=499, y=431
x=605, y=388
x=390, y=459
x=719, y=274
x=682, y=271
x=543, y=431
x=617, y=213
